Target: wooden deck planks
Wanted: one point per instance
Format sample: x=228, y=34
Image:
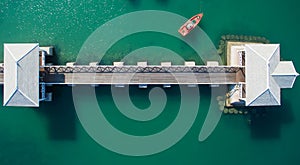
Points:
x=142, y=78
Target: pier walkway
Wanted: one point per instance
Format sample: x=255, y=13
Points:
x=133, y=74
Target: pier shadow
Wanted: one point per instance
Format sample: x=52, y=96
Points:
x=57, y=78
x=266, y=122
x=54, y=58
x=60, y=114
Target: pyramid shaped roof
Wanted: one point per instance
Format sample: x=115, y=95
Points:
x=266, y=74
x=21, y=75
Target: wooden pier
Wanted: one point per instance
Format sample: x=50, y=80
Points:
x=26, y=74
x=107, y=75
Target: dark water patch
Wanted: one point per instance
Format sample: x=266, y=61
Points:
x=134, y=3
x=60, y=114
x=266, y=122
x=163, y=2
x=26, y=152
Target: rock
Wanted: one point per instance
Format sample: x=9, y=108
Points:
x=236, y=37
x=235, y=111
x=219, y=98
x=221, y=108
x=227, y=37
x=225, y=111
x=221, y=103
x=220, y=51
x=250, y=38
x=231, y=37
x=259, y=39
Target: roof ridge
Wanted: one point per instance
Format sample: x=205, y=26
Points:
x=295, y=73
x=278, y=101
x=264, y=91
x=10, y=97
x=10, y=53
x=27, y=97
x=27, y=53
x=277, y=47
x=256, y=52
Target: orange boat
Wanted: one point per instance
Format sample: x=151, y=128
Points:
x=190, y=24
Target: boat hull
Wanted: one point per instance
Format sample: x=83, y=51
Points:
x=187, y=27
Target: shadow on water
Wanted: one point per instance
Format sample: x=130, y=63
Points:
x=60, y=114
x=54, y=59
x=265, y=122
x=134, y=2
x=163, y=2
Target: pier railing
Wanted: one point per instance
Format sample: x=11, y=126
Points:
x=139, y=69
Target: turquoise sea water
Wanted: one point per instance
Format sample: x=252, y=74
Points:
x=52, y=133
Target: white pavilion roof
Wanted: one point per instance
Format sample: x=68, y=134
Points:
x=285, y=74
x=21, y=75
x=266, y=75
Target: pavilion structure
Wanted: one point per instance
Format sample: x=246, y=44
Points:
x=265, y=75
x=21, y=75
